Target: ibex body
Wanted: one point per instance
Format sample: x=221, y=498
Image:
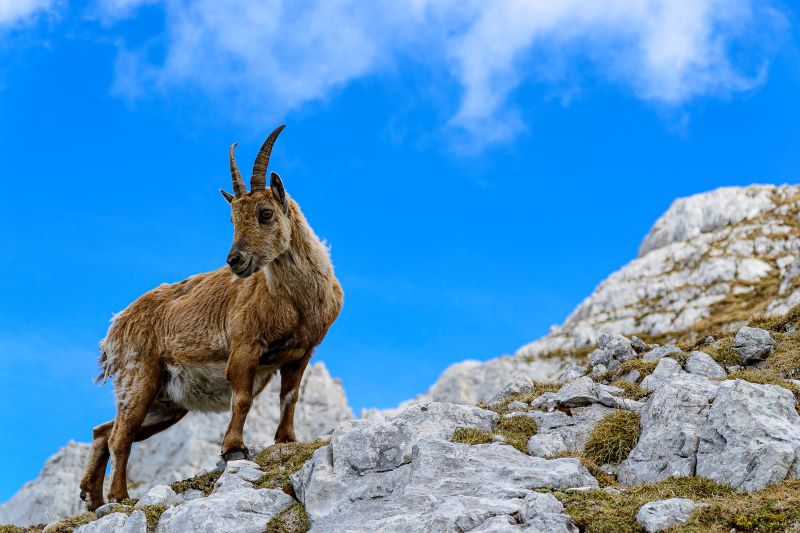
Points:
x=213, y=341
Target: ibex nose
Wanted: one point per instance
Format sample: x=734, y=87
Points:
x=234, y=259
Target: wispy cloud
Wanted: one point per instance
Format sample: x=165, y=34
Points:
x=273, y=56
x=16, y=12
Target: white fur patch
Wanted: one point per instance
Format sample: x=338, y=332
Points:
x=204, y=387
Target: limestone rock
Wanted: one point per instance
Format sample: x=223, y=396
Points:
x=560, y=432
x=752, y=437
x=430, y=491
x=661, y=351
x=110, y=522
x=571, y=373
x=666, y=370
x=136, y=523
x=671, y=424
x=159, y=495
x=664, y=514
x=702, y=364
x=519, y=384
x=752, y=344
x=242, y=510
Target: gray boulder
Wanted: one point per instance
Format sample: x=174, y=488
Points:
x=752, y=436
x=666, y=370
x=159, y=495
x=752, y=344
x=242, y=510
x=519, y=384
x=573, y=372
x=702, y=364
x=560, y=432
x=136, y=523
x=664, y=514
x=110, y=522
x=661, y=351
x=583, y=391
x=671, y=423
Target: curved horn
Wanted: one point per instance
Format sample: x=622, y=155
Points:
x=238, y=184
x=259, y=179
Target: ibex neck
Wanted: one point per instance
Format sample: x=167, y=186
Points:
x=306, y=256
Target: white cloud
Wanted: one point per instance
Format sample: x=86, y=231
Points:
x=272, y=56
x=13, y=12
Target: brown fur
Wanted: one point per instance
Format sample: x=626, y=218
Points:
x=170, y=349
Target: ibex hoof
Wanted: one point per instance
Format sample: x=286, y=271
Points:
x=83, y=495
x=235, y=454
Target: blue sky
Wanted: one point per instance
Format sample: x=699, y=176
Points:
x=477, y=167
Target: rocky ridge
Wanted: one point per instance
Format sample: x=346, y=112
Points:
x=692, y=423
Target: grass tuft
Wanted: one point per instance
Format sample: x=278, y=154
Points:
x=631, y=390
x=293, y=519
x=153, y=514
x=517, y=430
x=204, y=483
x=70, y=524
x=721, y=510
x=471, y=436
x=280, y=461
x=539, y=388
x=613, y=438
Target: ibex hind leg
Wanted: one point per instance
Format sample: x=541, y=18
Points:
x=135, y=397
x=159, y=418
x=92, y=482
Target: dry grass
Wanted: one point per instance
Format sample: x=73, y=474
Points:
x=472, y=436
x=613, y=438
x=153, y=514
x=539, y=388
x=69, y=525
x=280, y=461
x=645, y=368
x=721, y=510
x=204, y=483
x=516, y=430
x=293, y=519
x=631, y=390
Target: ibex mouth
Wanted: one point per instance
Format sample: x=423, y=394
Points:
x=245, y=270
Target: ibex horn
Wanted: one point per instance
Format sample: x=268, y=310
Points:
x=238, y=184
x=259, y=179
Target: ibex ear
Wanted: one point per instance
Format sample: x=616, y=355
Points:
x=228, y=196
x=276, y=186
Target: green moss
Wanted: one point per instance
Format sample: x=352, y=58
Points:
x=8, y=528
x=280, y=461
x=293, y=519
x=613, y=438
x=69, y=525
x=722, y=350
x=472, y=436
x=153, y=514
x=204, y=483
x=772, y=510
x=631, y=390
x=516, y=430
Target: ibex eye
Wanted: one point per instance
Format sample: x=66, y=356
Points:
x=264, y=215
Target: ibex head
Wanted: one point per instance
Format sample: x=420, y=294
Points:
x=260, y=217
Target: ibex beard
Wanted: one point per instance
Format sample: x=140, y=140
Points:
x=213, y=341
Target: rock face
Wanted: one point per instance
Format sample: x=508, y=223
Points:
x=705, y=250
x=752, y=344
x=180, y=452
x=403, y=474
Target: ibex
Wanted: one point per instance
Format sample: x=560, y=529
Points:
x=213, y=341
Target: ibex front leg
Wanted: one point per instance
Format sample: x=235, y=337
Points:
x=241, y=374
x=291, y=375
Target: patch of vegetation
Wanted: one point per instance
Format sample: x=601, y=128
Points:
x=516, y=430
x=765, y=377
x=539, y=388
x=204, y=483
x=631, y=390
x=722, y=350
x=153, y=514
x=69, y=525
x=8, y=528
x=293, y=519
x=772, y=510
x=645, y=368
x=471, y=436
x=280, y=461
x=613, y=438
